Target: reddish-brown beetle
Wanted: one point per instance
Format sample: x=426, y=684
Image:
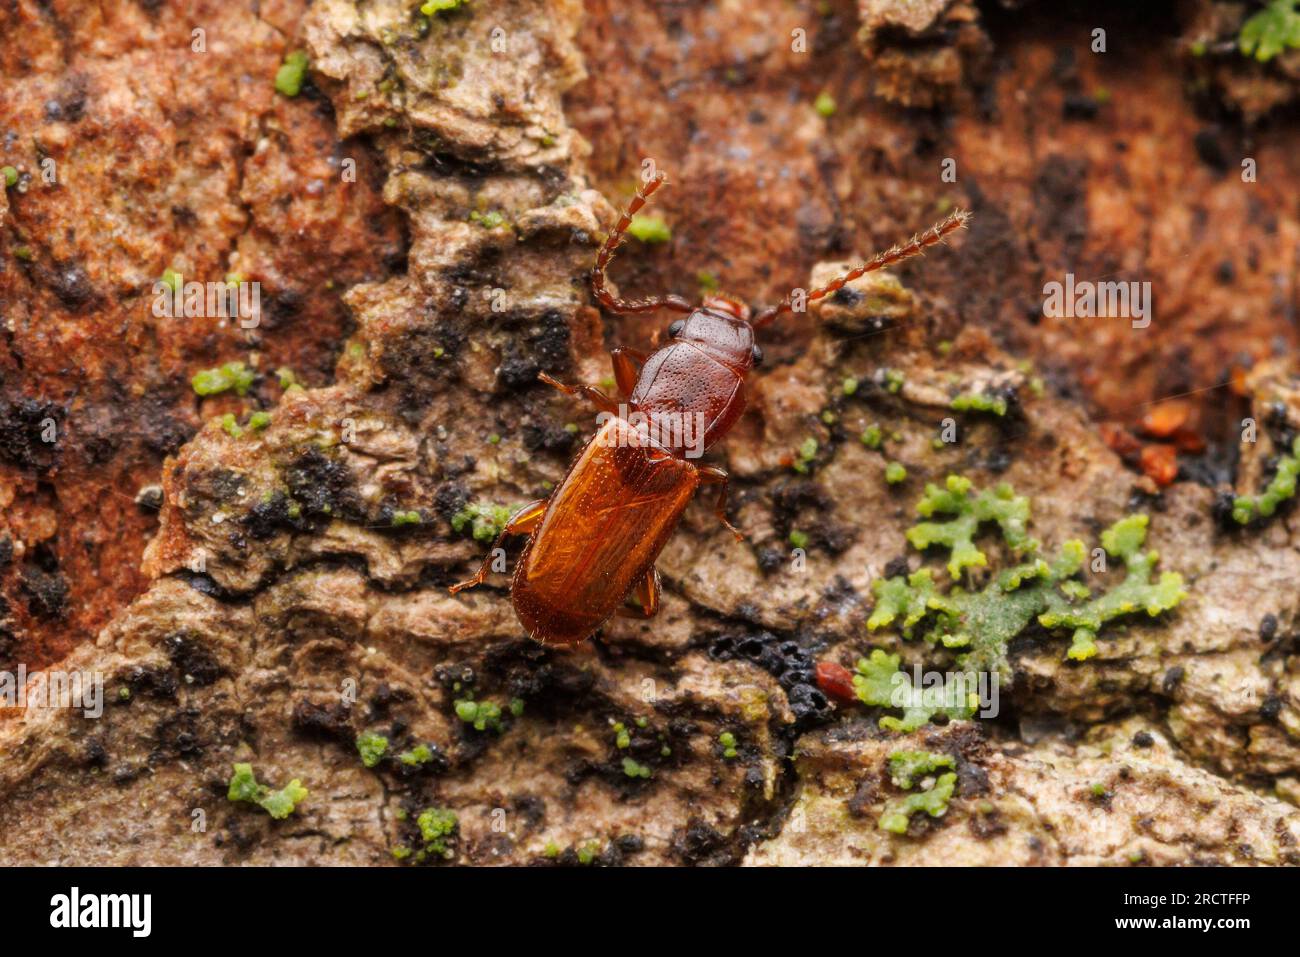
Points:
x=595, y=540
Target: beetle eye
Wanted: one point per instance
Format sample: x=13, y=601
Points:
x=676, y=328
x=757, y=354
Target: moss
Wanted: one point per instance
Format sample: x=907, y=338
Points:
x=401, y=852
x=933, y=802
x=1270, y=31
x=804, y=456
x=232, y=375
x=171, y=279
x=728, y=742
x=483, y=715
x=706, y=281
x=288, y=79
x=517, y=707
x=824, y=104
x=798, y=539
x=418, y=755
x=980, y=403
x=484, y=520
x=894, y=380
x=635, y=770
x=551, y=850
x=10, y=175
x=588, y=852
x=849, y=386
x=622, y=739
x=494, y=439
x=649, y=229
x=259, y=420
x=872, y=436
x=895, y=472
x=408, y=517
x=24, y=253
x=279, y=804
x=1248, y=508
x=880, y=684
x=436, y=826
x=907, y=767
x=372, y=748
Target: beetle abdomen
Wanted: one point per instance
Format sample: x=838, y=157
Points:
x=603, y=529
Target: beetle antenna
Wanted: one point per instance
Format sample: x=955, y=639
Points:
x=914, y=246
x=610, y=247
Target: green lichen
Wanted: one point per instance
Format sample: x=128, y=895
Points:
x=1270, y=31
x=405, y=517
x=872, y=436
x=433, y=7
x=981, y=624
x=483, y=715
x=259, y=420
x=824, y=104
x=517, y=707
x=279, y=804
x=649, y=229
x=894, y=380
x=706, y=281
x=798, y=539
x=933, y=802
x=878, y=683
x=804, y=456
x=10, y=175
x=485, y=520
x=1247, y=508
x=980, y=403
x=372, y=747
x=968, y=511
x=232, y=375
x=907, y=767
x=288, y=79
x=436, y=826
x=230, y=426
x=418, y=755
x=728, y=742
x=622, y=738
x=489, y=220
x=635, y=770
x=895, y=472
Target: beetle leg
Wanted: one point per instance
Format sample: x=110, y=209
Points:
x=522, y=522
x=627, y=368
x=715, y=476
x=589, y=392
x=646, y=593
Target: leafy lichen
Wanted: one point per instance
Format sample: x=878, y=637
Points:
x=933, y=802
x=244, y=786
x=982, y=623
x=879, y=683
x=484, y=520
x=232, y=375
x=1270, y=31
x=908, y=767
x=980, y=403
x=1246, y=508
x=968, y=511
x=372, y=747
x=436, y=826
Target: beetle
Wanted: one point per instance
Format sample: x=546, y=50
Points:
x=594, y=542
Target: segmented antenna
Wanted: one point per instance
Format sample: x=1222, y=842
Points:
x=917, y=244
x=607, y=251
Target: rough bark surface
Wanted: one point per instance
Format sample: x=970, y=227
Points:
x=293, y=603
